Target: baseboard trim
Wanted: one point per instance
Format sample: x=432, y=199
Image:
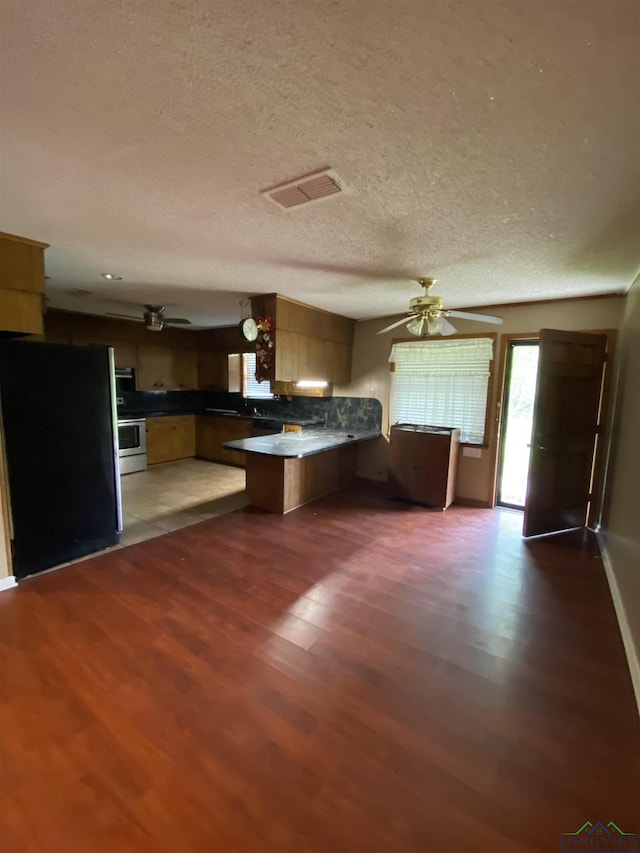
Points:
x=7, y=583
x=631, y=652
x=472, y=502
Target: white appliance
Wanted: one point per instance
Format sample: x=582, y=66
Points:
x=132, y=442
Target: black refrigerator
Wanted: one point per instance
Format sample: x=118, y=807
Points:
x=61, y=448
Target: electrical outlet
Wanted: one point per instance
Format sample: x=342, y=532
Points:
x=475, y=452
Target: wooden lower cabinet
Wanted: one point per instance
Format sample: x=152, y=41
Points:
x=280, y=484
x=213, y=432
x=423, y=463
x=170, y=438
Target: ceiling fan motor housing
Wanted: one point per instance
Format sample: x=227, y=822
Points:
x=153, y=318
x=423, y=304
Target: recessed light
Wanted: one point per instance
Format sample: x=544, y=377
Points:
x=111, y=276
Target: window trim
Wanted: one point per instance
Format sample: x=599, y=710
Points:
x=243, y=380
x=493, y=336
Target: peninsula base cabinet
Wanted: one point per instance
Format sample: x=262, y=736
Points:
x=170, y=438
x=279, y=484
x=422, y=464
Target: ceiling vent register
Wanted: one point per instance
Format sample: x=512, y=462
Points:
x=309, y=188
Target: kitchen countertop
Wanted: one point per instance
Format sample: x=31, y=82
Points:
x=295, y=445
x=221, y=413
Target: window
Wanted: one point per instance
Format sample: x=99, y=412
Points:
x=250, y=385
x=442, y=383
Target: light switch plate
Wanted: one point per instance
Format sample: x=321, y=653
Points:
x=472, y=451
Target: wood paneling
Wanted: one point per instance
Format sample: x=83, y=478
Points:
x=360, y=676
x=165, y=360
x=70, y=326
x=225, y=339
x=170, y=438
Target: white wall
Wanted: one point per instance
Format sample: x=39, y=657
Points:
x=370, y=375
x=620, y=533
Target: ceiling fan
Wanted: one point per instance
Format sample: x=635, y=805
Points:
x=428, y=316
x=154, y=319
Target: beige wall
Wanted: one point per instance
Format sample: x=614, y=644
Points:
x=370, y=375
x=620, y=533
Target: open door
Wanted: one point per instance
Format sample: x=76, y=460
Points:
x=565, y=425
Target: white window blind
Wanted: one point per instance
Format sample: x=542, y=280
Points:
x=250, y=385
x=442, y=383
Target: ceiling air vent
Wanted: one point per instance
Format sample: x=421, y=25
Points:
x=304, y=190
x=77, y=292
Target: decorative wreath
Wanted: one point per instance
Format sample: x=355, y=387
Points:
x=265, y=351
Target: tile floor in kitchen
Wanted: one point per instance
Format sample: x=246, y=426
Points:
x=177, y=494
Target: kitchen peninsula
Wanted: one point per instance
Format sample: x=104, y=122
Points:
x=287, y=470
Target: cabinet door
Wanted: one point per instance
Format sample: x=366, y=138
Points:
x=164, y=368
x=170, y=438
x=233, y=429
x=21, y=312
x=155, y=367
x=184, y=372
x=211, y=434
x=125, y=354
x=212, y=370
x=422, y=466
x=159, y=441
x=184, y=437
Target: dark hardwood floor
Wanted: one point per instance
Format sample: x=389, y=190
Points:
x=359, y=675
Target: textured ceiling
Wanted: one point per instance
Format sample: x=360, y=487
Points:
x=491, y=144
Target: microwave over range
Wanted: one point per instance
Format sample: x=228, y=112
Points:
x=125, y=379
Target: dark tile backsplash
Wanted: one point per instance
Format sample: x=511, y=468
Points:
x=355, y=414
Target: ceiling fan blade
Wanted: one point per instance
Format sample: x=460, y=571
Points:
x=481, y=318
x=177, y=321
x=126, y=316
x=446, y=328
x=394, y=325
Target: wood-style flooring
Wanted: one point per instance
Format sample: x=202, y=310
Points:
x=359, y=676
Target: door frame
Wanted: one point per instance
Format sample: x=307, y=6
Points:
x=602, y=439
x=504, y=393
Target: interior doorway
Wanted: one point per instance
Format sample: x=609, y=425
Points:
x=517, y=422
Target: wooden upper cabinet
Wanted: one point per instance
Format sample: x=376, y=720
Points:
x=185, y=369
x=309, y=343
x=21, y=284
x=125, y=354
x=21, y=264
x=167, y=369
x=213, y=370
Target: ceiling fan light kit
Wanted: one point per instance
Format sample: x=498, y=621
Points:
x=428, y=316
